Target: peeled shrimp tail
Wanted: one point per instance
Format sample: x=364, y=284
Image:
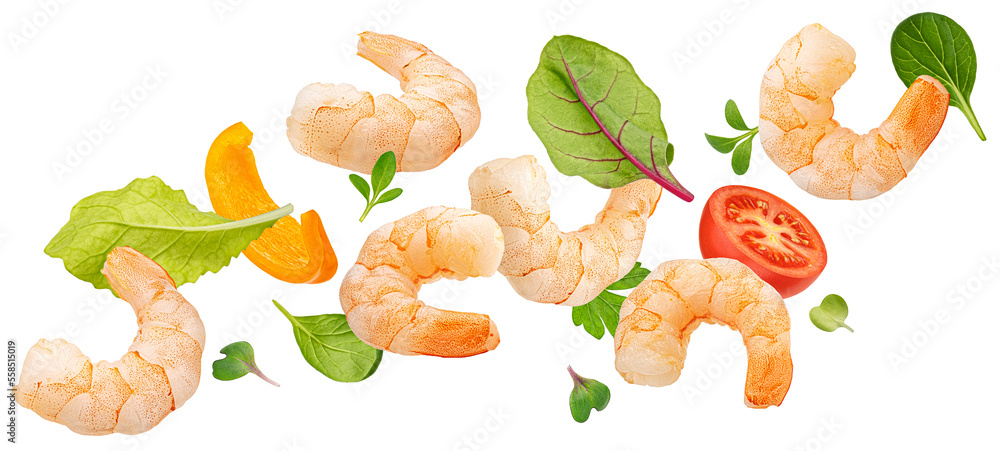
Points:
x=379, y=293
x=660, y=314
x=160, y=371
x=544, y=264
x=437, y=113
x=799, y=134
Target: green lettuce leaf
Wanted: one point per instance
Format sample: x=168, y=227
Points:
x=150, y=217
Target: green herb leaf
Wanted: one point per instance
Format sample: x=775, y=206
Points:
x=329, y=345
x=596, y=118
x=935, y=45
x=741, y=157
x=598, y=314
x=587, y=394
x=157, y=221
x=740, y=145
x=631, y=280
x=830, y=314
x=389, y=195
x=723, y=145
x=733, y=116
x=362, y=186
x=238, y=362
x=603, y=311
x=383, y=172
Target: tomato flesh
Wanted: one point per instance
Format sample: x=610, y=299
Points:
x=764, y=232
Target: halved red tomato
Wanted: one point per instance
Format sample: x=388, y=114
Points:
x=765, y=233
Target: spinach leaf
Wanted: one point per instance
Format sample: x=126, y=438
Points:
x=329, y=345
x=935, y=45
x=157, y=221
x=238, y=362
x=597, y=119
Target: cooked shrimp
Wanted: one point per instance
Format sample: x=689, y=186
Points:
x=798, y=132
x=437, y=113
x=549, y=266
x=157, y=375
x=658, y=317
x=379, y=293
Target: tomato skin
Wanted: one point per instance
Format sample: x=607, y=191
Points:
x=716, y=242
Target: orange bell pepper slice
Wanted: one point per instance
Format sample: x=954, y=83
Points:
x=287, y=251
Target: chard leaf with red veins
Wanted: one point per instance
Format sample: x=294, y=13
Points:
x=597, y=119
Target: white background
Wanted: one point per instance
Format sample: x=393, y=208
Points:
x=898, y=260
